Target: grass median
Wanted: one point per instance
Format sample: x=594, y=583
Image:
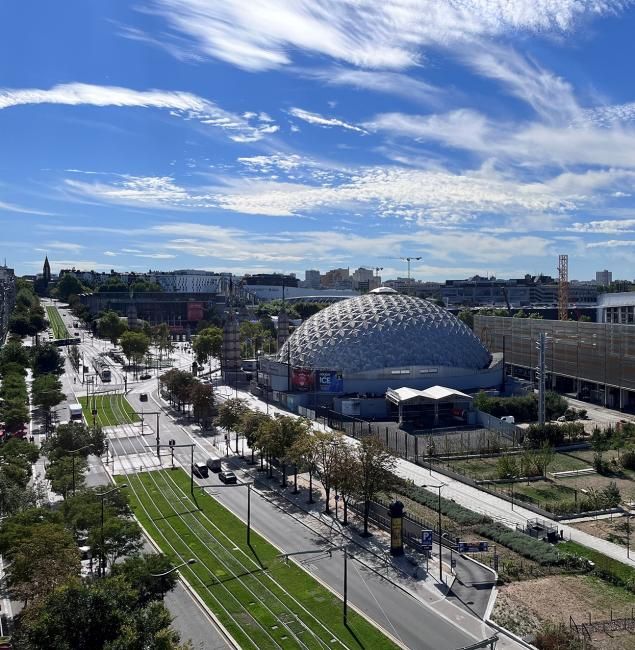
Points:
x=111, y=410
x=284, y=590
x=60, y=331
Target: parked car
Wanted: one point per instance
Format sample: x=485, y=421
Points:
x=143, y=397
x=146, y=376
x=200, y=470
x=228, y=477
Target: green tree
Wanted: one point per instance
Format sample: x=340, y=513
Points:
x=46, y=391
x=110, y=326
x=47, y=359
x=121, y=537
x=283, y=431
x=202, y=396
x=14, y=352
x=66, y=472
x=208, y=345
x=138, y=572
x=44, y=559
x=376, y=464
x=20, y=326
x=467, y=317
x=252, y=424
x=67, y=285
x=325, y=454
x=135, y=346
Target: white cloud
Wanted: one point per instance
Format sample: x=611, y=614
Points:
x=320, y=120
x=260, y=34
x=12, y=207
x=62, y=246
x=612, y=243
x=110, y=254
x=605, y=226
x=182, y=104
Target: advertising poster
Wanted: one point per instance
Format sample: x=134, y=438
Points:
x=302, y=379
x=330, y=381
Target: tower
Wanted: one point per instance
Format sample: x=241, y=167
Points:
x=563, y=287
x=230, y=359
x=46, y=270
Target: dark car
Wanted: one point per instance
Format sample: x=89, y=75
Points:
x=200, y=470
x=146, y=376
x=227, y=477
x=143, y=397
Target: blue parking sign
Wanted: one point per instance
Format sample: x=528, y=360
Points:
x=426, y=539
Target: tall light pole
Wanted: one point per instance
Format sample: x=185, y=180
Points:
x=238, y=485
x=438, y=487
x=102, y=496
x=72, y=452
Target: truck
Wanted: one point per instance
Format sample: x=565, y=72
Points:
x=75, y=411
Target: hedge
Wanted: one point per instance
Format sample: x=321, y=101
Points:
x=529, y=547
x=449, y=508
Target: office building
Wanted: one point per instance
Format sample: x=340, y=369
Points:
x=603, y=278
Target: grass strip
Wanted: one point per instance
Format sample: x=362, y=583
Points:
x=324, y=606
x=111, y=409
x=607, y=568
x=60, y=330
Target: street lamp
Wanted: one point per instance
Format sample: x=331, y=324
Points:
x=235, y=485
x=173, y=569
x=72, y=452
x=102, y=496
x=438, y=487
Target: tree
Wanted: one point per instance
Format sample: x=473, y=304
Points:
x=46, y=391
x=252, y=423
x=138, y=570
x=135, y=345
x=327, y=445
x=19, y=325
x=347, y=476
x=208, y=345
x=467, y=317
x=375, y=462
x=74, y=435
x=121, y=537
x=283, y=431
x=304, y=454
x=67, y=285
x=74, y=356
x=162, y=339
x=45, y=558
x=47, y=359
x=13, y=352
x=110, y=326
x=230, y=413
x=66, y=472
x=102, y=614
x=202, y=396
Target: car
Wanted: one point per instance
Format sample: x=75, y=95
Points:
x=214, y=464
x=143, y=397
x=146, y=376
x=200, y=470
x=228, y=477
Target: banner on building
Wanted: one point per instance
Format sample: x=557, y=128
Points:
x=330, y=381
x=195, y=311
x=302, y=379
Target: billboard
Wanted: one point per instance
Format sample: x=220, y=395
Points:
x=330, y=381
x=302, y=379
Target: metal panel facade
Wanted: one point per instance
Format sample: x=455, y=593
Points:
x=597, y=352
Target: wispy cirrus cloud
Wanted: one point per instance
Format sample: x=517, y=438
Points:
x=260, y=35
x=605, y=226
x=320, y=120
x=182, y=104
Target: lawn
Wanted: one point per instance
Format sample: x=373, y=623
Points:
x=57, y=324
x=111, y=409
x=253, y=600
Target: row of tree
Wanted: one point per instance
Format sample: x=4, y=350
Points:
x=183, y=390
x=352, y=470
x=41, y=547
x=27, y=318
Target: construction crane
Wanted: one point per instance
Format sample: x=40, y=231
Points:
x=407, y=259
x=563, y=287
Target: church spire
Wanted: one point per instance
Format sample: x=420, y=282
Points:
x=46, y=271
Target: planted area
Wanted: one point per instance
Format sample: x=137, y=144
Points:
x=111, y=410
x=262, y=601
x=607, y=568
x=527, y=546
x=60, y=330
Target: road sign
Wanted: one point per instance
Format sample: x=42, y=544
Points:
x=473, y=547
x=426, y=539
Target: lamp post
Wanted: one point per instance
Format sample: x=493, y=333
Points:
x=237, y=485
x=438, y=487
x=102, y=496
x=173, y=569
x=72, y=452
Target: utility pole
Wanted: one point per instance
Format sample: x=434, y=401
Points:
x=541, y=371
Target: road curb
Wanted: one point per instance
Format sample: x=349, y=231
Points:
x=188, y=587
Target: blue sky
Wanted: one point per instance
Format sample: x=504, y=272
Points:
x=485, y=136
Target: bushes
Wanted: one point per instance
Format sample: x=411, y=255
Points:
x=553, y=434
x=606, y=568
x=449, y=508
x=524, y=409
x=528, y=547
x=628, y=459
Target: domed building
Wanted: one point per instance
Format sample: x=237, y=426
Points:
x=368, y=344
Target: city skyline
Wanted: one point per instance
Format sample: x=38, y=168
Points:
x=274, y=136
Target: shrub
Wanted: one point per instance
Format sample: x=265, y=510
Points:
x=556, y=636
x=529, y=547
x=449, y=508
x=507, y=467
x=628, y=459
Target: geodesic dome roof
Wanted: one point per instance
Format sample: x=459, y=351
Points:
x=383, y=330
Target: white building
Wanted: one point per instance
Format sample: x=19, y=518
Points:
x=616, y=308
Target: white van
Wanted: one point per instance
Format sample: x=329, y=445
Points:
x=509, y=419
